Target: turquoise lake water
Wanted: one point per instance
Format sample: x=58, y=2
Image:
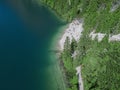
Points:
x=26, y=32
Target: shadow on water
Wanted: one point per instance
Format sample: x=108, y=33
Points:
x=26, y=31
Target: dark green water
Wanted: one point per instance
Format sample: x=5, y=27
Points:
x=26, y=31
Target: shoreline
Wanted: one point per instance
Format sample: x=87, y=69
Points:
x=54, y=53
x=56, y=38
x=51, y=10
x=72, y=30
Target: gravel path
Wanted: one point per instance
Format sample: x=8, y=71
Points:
x=80, y=81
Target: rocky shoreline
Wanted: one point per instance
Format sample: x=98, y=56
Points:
x=74, y=30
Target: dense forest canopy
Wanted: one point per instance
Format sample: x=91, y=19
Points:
x=100, y=60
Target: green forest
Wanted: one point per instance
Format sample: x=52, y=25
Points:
x=100, y=61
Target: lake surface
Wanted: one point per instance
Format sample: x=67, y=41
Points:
x=26, y=32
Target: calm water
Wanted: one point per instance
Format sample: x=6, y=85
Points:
x=26, y=31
